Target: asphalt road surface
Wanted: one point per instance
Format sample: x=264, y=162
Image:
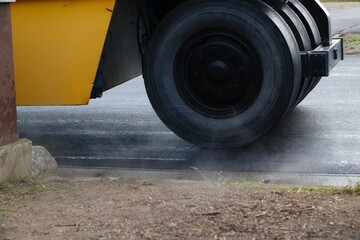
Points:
x=321, y=136
x=346, y=18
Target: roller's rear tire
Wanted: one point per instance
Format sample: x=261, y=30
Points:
x=303, y=38
x=221, y=74
x=315, y=38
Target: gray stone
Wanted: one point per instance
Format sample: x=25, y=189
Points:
x=43, y=163
x=15, y=160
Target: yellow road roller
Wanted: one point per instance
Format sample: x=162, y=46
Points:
x=219, y=73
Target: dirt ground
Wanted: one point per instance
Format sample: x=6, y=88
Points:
x=168, y=209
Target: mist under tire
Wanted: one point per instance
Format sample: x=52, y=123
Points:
x=193, y=88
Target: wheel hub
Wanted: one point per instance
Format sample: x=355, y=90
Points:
x=217, y=73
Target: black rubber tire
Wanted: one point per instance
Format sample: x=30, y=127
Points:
x=315, y=38
x=296, y=25
x=303, y=40
x=271, y=41
x=308, y=21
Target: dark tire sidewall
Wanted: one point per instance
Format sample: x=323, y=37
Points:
x=272, y=50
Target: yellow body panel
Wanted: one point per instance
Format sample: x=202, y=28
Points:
x=57, y=48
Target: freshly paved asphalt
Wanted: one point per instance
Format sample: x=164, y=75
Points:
x=321, y=136
x=345, y=19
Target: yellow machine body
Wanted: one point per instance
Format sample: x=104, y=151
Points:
x=57, y=49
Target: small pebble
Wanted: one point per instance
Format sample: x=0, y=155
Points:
x=172, y=225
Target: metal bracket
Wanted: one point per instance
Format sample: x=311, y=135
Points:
x=319, y=62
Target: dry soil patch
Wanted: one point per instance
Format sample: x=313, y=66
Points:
x=133, y=209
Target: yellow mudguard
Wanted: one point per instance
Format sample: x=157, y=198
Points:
x=57, y=49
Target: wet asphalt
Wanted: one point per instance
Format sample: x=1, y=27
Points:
x=321, y=137
x=345, y=19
